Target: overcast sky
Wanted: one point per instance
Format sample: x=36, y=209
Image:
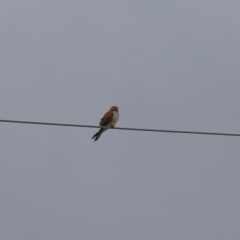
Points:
x=166, y=65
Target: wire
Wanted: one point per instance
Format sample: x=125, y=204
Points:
x=122, y=128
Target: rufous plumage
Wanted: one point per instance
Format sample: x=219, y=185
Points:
x=109, y=120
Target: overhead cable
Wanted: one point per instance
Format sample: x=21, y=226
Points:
x=122, y=128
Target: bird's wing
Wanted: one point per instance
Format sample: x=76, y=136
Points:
x=107, y=118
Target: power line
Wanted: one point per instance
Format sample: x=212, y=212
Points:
x=122, y=128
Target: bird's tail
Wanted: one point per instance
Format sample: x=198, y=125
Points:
x=97, y=135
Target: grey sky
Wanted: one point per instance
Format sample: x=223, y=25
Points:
x=165, y=65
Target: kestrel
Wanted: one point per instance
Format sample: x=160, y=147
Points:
x=109, y=120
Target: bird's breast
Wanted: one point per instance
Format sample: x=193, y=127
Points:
x=115, y=117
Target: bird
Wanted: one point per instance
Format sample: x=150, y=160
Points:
x=108, y=120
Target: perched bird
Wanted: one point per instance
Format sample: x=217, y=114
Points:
x=109, y=120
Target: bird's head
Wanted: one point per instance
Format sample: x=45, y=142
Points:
x=114, y=108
